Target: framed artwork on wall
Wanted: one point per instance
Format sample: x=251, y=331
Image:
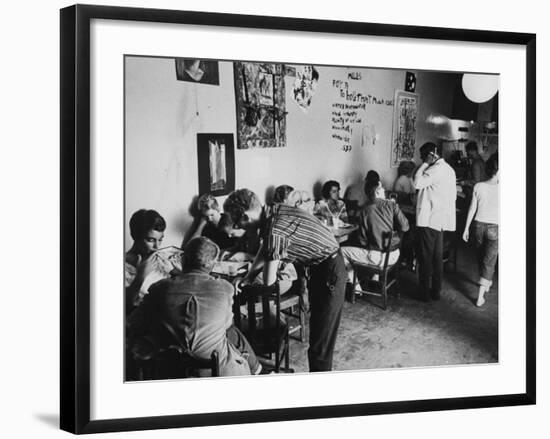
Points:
x=94, y=394
x=404, y=127
x=197, y=70
x=260, y=101
x=216, y=159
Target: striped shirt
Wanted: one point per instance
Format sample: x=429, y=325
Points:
x=294, y=235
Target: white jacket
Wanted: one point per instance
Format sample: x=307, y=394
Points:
x=436, y=204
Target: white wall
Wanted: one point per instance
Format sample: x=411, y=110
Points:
x=163, y=116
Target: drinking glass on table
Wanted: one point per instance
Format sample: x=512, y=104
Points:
x=336, y=222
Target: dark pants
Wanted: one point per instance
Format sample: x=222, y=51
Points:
x=327, y=291
x=430, y=261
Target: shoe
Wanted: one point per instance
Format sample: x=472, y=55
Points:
x=480, y=302
x=435, y=295
x=258, y=370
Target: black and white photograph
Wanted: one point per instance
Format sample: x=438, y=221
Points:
x=275, y=220
x=197, y=70
x=361, y=234
x=341, y=224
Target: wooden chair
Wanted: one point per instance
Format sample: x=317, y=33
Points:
x=295, y=304
x=165, y=356
x=387, y=275
x=265, y=330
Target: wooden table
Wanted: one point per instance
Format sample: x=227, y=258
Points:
x=342, y=233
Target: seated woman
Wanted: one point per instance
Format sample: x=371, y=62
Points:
x=404, y=186
x=377, y=217
x=199, y=308
x=331, y=207
x=208, y=223
x=142, y=264
x=484, y=213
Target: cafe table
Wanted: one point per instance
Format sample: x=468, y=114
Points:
x=342, y=233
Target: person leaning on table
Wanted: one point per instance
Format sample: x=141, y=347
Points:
x=435, y=181
x=293, y=235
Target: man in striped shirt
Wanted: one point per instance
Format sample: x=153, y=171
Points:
x=293, y=235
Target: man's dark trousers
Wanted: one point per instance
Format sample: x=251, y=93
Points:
x=430, y=261
x=327, y=291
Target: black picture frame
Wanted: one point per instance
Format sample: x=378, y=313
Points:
x=204, y=167
x=75, y=217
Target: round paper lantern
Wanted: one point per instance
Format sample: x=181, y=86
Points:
x=479, y=88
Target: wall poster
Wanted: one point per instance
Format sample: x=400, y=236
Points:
x=404, y=127
x=260, y=100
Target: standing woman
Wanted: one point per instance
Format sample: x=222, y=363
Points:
x=484, y=211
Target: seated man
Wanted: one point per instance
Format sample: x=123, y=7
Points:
x=199, y=308
x=377, y=217
x=355, y=197
x=144, y=264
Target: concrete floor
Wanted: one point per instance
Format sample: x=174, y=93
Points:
x=411, y=333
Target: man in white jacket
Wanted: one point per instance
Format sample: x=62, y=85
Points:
x=435, y=214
